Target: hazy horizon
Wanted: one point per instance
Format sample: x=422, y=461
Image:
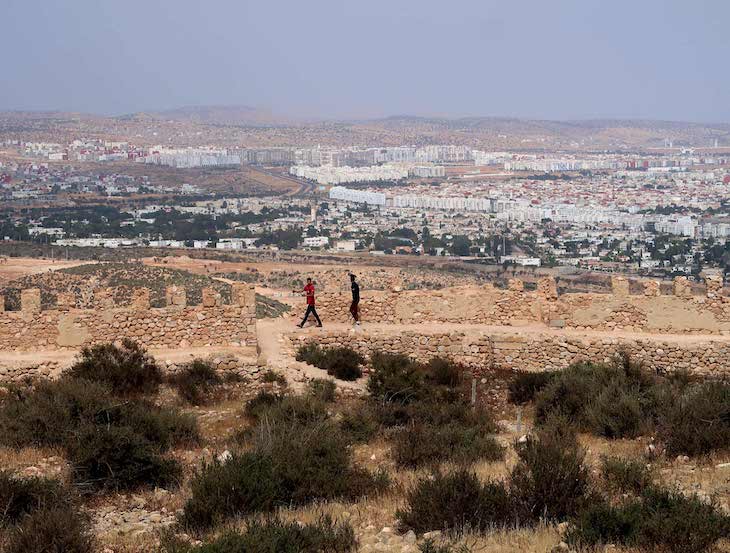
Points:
x=570, y=60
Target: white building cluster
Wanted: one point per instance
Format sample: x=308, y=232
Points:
x=681, y=226
x=340, y=175
x=490, y=158
x=459, y=203
x=427, y=171
x=552, y=165
x=356, y=196
x=358, y=157
x=189, y=158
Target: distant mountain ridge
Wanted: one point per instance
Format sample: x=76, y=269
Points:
x=248, y=124
x=216, y=115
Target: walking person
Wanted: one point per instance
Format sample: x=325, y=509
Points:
x=309, y=293
x=355, y=305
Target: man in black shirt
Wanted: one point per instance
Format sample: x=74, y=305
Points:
x=355, y=305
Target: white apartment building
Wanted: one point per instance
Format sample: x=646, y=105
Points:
x=427, y=171
x=340, y=175
x=188, y=158
x=346, y=245
x=316, y=241
x=356, y=196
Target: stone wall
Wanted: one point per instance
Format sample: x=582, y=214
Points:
x=224, y=363
x=540, y=351
x=473, y=350
x=175, y=326
x=647, y=312
x=548, y=351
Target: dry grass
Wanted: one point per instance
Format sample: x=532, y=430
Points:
x=31, y=461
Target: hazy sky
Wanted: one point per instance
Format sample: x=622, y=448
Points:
x=553, y=59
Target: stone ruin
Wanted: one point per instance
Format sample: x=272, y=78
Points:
x=176, y=325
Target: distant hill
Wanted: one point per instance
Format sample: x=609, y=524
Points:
x=517, y=125
x=598, y=132
x=247, y=125
x=215, y=115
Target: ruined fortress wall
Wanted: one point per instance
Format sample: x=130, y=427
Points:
x=483, y=351
x=551, y=352
x=175, y=326
x=648, y=312
x=472, y=350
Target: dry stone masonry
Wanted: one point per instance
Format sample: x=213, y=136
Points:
x=647, y=312
x=480, y=326
x=508, y=350
x=175, y=326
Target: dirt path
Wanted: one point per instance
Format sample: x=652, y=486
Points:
x=526, y=331
x=16, y=267
x=270, y=339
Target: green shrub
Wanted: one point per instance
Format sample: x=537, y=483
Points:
x=322, y=389
x=275, y=536
x=443, y=372
x=698, y=421
x=341, y=362
x=261, y=402
x=625, y=475
x=455, y=502
x=524, y=386
x=196, y=382
x=114, y=458
x=550, y=480
x=361, y=424
x=420, y=444
x=612, y=400
x=680, y=522
x=286, y=408
x=47, y=414
x=312, y=460
x=621, y=400
x=616, y=412
x=571, y=390
x=660, y=519
x=272, y=377
x=244, y=484
x=440, y=413
x=22, y=496
x=310, y=353
x=601, y=522
x=289, y=462
x=51, y=530
x=125, y=369
x=111, y=445
x=395, y=378
x=163, y=426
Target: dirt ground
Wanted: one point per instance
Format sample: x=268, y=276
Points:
x=16, y=267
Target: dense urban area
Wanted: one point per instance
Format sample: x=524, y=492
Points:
x=658, y=211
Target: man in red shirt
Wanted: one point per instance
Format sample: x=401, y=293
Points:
x=309, y=293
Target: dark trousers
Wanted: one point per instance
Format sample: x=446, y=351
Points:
x=355, y=310
x=313, y=311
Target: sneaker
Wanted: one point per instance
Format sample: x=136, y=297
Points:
x=357, y=323
x=319, y=325
x=300, y=325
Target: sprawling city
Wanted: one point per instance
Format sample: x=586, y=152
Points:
x=658, y=211
x=337, y=278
